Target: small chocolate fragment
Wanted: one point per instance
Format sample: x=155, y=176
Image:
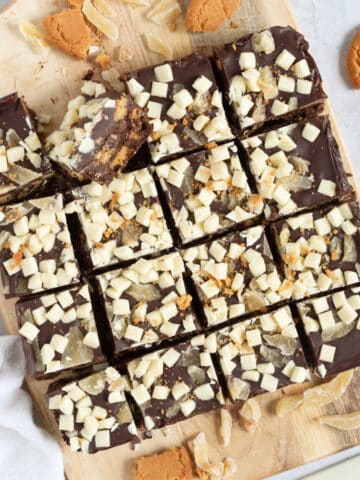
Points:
x=208, y=192
x=147, y=302
x=320, y=251
x=235, y=275
x=184, y=105
x=297, y=166
x=260, y=355
x=269, y=75
x=121, y=221
x=174, y=384
x=23, y=165
x=59, y=332
x=333, y=328
x=36, y=253
x=101, y=131
x=93, y=413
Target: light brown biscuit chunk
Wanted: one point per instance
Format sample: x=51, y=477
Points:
x=174, y=464
x=208, y=15
x=69, y=31
x=354, y=61
x=75, y=3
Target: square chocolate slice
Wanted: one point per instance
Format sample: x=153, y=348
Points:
x=320, y=251
x=36, y=253
x=147, y=302
x=184, y=105
x=23, y=165
x=208, y=192
x=235, y=275
x=267, y=76
x=93, y=413
x=174, y=384
x=59, y=332
x=296, y=167
x=101, y=131
x=333, y=328
x=260, y=355
x=122, y=220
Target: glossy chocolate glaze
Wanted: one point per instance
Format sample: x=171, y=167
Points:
x=325, y=163
x=347, y=354
x=185, y=72
x=79, y=356
x=14, y=185
x=166, y=412
x=227, y=62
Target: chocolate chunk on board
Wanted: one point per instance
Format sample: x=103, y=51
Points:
x=23, y=164
x=267, y=76
x=36, y=253
x=59, y=332
x=235, y=275
x=296, y=167
x=174, y=384
x=147, y=302
x=333, y=328
x=320, y=251
x=184, y=105
x=208, y=192
x=120, y=221
x=100, y=133
x=93, y=413
x=259, y=355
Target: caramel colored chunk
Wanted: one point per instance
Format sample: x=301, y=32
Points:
x=354, y=61
x=69, y=31
x=75, y=3
x=208, y=15
x=174, y=464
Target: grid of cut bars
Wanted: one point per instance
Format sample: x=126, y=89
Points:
x=213, y=249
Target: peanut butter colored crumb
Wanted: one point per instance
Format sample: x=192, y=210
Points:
x=104, y=61
x=69, y=31
x=174, y=464
x=208, y=15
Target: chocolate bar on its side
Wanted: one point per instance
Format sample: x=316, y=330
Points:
x=100, y=133
x=59, y=332
x=23, y=164
x=93, y=413
x=235, y=275
x=208, y=192
x=269, y=76
x=320, y=251
x=36, y=253
x=184, y=105
x=259, y=355
x=173, y=384
x=297, y=167
x=147, y=302
x=333, y=328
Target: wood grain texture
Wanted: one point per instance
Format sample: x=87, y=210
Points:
x=48, y=79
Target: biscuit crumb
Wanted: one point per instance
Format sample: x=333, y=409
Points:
x=354, y=61
x=174, y=463
x=208, y=15
x=69, y=31
x=103, y=60
x=75, y=3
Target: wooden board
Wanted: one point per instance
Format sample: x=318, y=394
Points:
x=48, y=79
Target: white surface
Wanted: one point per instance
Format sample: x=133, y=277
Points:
x=329, y=26
x=26, y=451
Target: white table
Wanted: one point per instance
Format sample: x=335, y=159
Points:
x=329, y=26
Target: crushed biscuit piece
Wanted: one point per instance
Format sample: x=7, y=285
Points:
x=183, y=302
x=104, y=61
x=208, y=15
x=69, y=31
x=174, y=463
